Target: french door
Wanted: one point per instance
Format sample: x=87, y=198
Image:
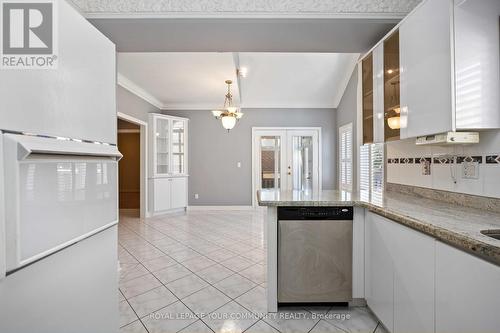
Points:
x=286, y=159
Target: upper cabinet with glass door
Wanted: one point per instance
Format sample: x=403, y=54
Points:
x=391, y=88
x=367, y=99
x=168, y=142
x=380, y=87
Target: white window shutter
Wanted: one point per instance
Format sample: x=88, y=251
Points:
x=345, y=157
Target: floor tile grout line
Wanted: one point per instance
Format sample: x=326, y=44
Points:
x=141, y=263
x=193, y=272
x=139, y=318
x=316, y=324
x=179, y=299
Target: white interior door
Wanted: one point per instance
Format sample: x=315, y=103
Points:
x=302, y=160
x=286, y=158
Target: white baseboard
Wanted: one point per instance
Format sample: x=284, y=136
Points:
x=198, y=208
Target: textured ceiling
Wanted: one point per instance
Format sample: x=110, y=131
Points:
x=251, y=7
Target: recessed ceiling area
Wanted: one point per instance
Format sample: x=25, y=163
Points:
x=274, y=80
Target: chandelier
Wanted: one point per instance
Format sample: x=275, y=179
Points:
x=229, y=114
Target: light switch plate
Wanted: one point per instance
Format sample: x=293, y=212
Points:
x=470, y=170
x=196, y=196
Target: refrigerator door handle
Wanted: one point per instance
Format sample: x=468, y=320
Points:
x=29, y=145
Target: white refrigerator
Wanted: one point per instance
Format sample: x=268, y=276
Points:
x=58, y=193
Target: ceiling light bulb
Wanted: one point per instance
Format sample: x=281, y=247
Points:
x=228, y=122
x=390, y=71
x=394, y=122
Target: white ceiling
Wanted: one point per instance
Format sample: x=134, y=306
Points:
x=179, y=80
x=295, y=80
x=274, y=80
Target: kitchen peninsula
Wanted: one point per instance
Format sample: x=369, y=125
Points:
x=435, y=239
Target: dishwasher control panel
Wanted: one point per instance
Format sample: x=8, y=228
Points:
x=315, y=213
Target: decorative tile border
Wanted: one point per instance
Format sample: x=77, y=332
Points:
x=488, y=159
x=461, y=159
x=423, y=160
x=493, y=159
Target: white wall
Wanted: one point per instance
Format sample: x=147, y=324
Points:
x=347, y=113
x=488, y=183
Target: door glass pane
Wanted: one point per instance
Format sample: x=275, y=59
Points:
x=270, y=161
x=302, y=162
x=161, y=146
x=178, y=144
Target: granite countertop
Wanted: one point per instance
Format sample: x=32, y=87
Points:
x=453, y=224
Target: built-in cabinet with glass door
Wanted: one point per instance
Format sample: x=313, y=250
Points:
x=380, y=91
x=168, y=178
x=367, y=91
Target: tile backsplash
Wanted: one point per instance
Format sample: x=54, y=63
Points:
x=406, y=163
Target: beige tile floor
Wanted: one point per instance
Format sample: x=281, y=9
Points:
x=205, y=271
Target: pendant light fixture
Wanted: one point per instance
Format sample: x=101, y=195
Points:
x=229, y=114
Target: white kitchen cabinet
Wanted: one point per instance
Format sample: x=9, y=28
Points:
x=378, y=94
x=168, y=162
x=467, y=292
x=379, y=269
x=358, y=253
x=426, y=69
x=413, y=281
x=168, y=193
x=449, y=67
x=399, y=275
x=477, y=68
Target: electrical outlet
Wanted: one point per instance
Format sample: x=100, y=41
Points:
x=470, y=170
x=196, y=196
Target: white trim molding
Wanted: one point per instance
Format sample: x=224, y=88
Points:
x=143, y=132
x=138, y=91
x=246, y=8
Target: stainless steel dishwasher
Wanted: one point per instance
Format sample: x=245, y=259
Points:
x=314, y=254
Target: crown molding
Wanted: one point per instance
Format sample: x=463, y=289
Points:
x=138, y=91
x=381, y=9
